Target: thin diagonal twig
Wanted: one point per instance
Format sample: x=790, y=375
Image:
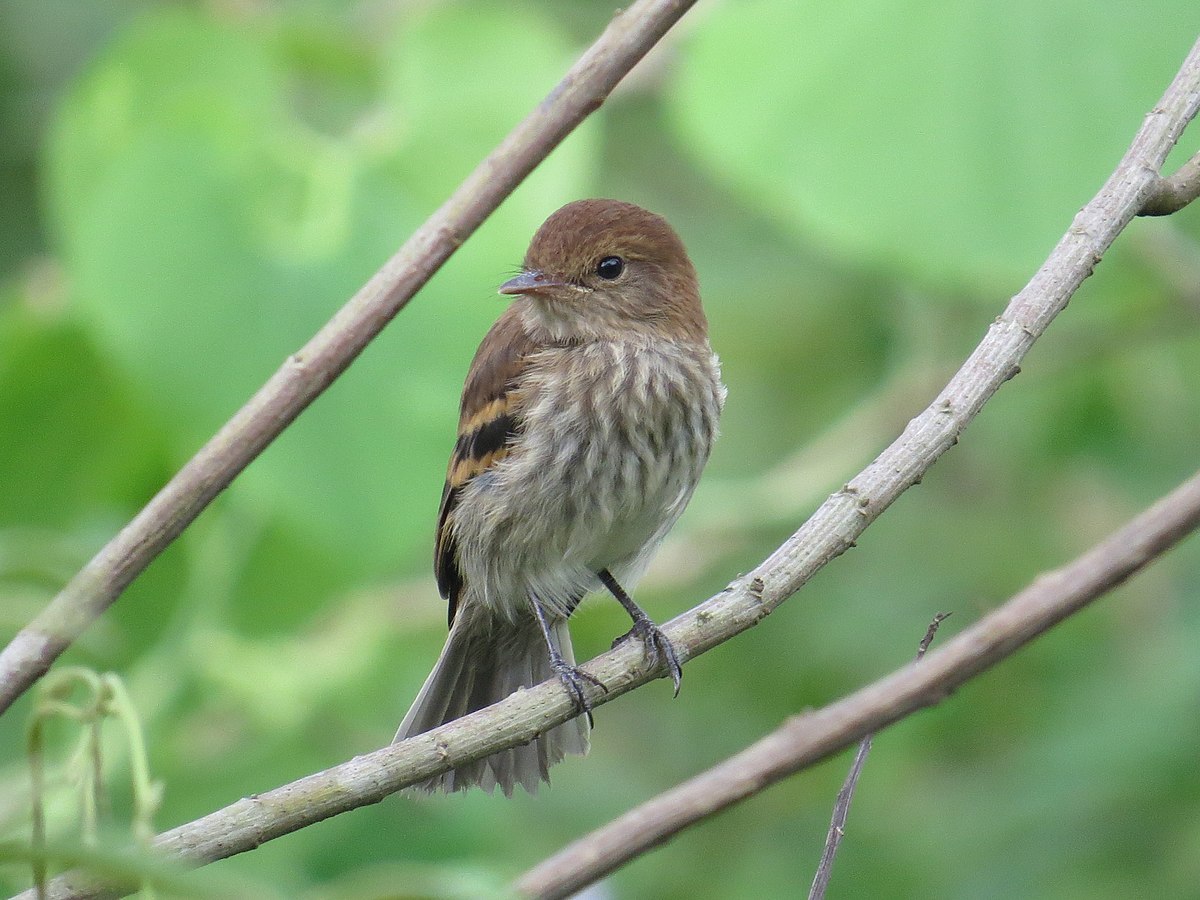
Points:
x=841, y=807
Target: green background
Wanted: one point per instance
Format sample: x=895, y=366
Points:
x=188, y=190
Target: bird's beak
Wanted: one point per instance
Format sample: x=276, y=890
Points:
x=531, y=281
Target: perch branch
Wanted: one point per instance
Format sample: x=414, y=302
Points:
x=832, y=529
x=306, y=373
x=807, y=739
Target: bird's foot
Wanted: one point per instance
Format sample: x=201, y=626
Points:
x=573, y=679
x=659, y=649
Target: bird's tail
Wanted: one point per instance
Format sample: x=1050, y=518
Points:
x=485, y=659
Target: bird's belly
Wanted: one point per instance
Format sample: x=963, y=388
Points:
x=545, y=523
x=594, y=482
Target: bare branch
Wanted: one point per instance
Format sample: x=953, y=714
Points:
x=306, y=373
x=837, y=827
x=841, y=807
x=834, y=527
x=1175, y=191
x=807, y=739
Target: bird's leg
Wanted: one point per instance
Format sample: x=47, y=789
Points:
x=659, y=648
x=571, y=676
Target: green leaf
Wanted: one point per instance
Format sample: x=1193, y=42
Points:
x=952, y=140
x=209, y=229
x=76, y=442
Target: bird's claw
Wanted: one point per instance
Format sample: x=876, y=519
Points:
x=573, y=678
x=659, y=649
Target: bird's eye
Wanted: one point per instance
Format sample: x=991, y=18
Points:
x=610, y=267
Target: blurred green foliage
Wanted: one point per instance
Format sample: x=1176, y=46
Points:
x=188, y=190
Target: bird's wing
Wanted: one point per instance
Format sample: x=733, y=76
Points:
x=487, y=423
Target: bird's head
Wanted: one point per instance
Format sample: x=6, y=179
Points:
x=600, y=269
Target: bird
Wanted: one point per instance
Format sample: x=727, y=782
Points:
x=587, y=415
